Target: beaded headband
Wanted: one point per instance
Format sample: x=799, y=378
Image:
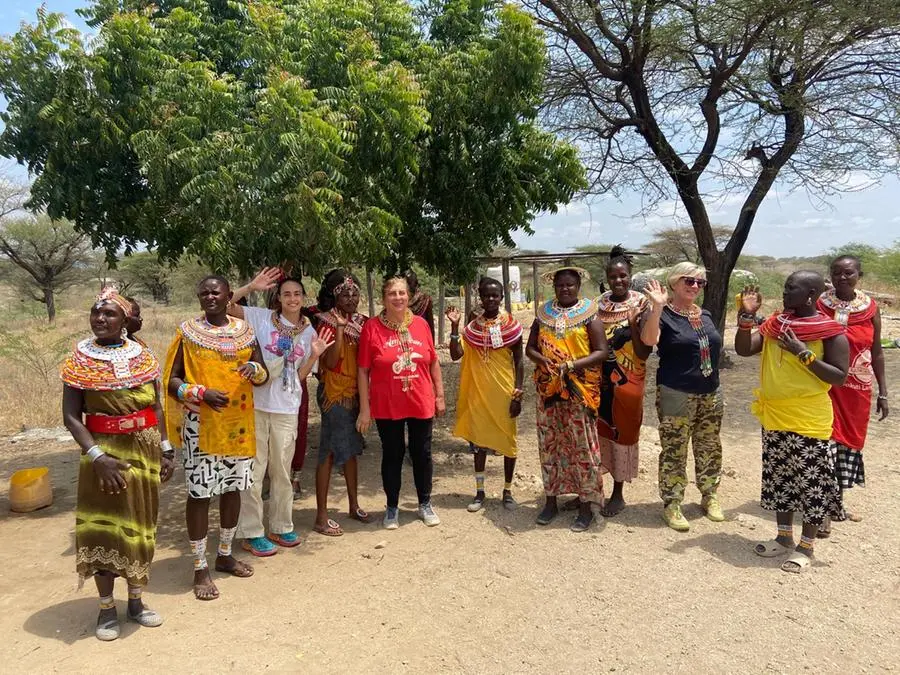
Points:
x=110, y=293
x=348, y=284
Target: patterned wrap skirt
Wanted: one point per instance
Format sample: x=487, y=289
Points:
x=570, y=450
x=337, y=434
x=798, y=474
x=209, y=475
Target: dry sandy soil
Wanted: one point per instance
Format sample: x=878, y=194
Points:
x=483, y=592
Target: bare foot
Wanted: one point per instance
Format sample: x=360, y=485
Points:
x=231, y=565
x=204, y=588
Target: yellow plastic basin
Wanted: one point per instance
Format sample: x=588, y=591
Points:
x=29, y=490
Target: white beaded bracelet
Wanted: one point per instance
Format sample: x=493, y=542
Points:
x=94, y=452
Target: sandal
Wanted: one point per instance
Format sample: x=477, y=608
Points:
x=509, y=503
x=361, y=516
x=796, y=563
x=147, y=618
x=582, y=523
x=330, y=529
x=284, y=539
x=546, y=516
x=771, y=549
x=240, y=569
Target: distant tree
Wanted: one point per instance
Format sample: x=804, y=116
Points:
x=678, y=244
x=144, y=271
x=45, y=257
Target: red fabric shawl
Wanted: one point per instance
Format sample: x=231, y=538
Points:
x=816, y=327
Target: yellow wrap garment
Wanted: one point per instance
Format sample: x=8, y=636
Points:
x=790, y=397
x=486, y=384
x=229, y=431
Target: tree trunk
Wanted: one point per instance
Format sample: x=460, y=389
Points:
x=716, y=297
x=50, y=302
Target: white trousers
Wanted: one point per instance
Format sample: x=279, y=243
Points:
x=276, y=434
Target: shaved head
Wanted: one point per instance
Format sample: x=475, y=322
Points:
x=813, y=281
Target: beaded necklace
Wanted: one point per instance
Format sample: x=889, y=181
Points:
x=109, y=367
x=401, y=329
x=613, y=311
x=285, y=349
x=694, y=315
x=228, y=340
x=487, y=334
x=844, y=308
x=563, y=319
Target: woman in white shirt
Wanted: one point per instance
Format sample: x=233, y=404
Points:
x=291, y=349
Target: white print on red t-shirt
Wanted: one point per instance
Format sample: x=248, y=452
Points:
x=861, y=375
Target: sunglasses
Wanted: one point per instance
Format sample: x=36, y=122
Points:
x=691, y=281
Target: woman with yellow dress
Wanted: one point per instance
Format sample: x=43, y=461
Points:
x=490, y=386
x=568, y=346
x=211, y=368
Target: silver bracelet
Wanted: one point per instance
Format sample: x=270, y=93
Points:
x=454, y=337
x=882, y=397
x=94, y=452
x=166, y=446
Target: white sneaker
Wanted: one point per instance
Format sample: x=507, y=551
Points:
x=391, y=518
x=427, y=514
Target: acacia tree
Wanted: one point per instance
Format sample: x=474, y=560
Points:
x=671, y=245
x=692, y=99
x=299, y=131
x=45, y=257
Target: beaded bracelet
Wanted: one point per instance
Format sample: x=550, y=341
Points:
x=746, y=321
x=454, y=338
x=182, y=389
x=194, y=393
x=807, y=358
x=259, y=373
x=517, y=394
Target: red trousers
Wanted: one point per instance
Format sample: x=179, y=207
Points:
x=302, y=427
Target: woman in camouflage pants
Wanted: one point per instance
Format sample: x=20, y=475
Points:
x=688, y=400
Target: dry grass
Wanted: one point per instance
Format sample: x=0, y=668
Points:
x=31, y=352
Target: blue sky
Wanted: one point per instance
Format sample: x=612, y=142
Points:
x=787, y=223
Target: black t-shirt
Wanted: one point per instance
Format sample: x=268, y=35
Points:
x=679, y=354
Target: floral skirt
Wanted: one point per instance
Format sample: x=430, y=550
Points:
x=570, y=450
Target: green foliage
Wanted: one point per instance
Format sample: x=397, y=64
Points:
x=312, y=132
x=142, y=273
x=39, y=359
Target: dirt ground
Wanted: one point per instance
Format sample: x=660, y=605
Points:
x=486, y=592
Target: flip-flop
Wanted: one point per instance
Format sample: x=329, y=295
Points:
x=331, y=529
x=770, y=549
x=796, y=563
x=240, y=569
x=198, y=588
x=361, y=516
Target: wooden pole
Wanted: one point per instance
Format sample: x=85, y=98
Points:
x=467, y=308
x=536, y=286
x=507, y=300
x=370, y=290
x=441, y=317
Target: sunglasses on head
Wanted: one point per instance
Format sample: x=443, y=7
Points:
x=691, y=281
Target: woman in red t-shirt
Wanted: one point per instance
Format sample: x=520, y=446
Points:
x=401, y=388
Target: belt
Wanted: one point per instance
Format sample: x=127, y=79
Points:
x=121, y=424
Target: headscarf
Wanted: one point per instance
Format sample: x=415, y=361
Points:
x=109, y=293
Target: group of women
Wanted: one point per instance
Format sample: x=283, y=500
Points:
x=231, y=394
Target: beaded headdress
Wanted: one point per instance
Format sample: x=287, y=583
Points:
x=110, y=293
x=348, y=284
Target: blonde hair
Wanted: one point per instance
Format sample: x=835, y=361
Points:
x=685, y=269
x=392, y=281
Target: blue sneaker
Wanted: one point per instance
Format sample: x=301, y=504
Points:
x=260, y=547
x=285, y=539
